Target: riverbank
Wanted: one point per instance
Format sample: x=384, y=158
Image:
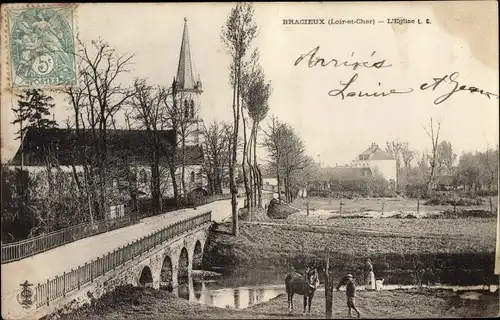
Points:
x=146, y=303
x=443, y=250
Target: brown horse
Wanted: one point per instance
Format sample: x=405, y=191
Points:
x=304, y=285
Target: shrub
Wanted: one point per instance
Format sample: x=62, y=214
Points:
x=444, y=199
x=355, y=187
x=279, y=211
x=416, y=190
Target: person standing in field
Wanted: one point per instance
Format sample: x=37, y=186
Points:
x=350, y=292
x=369, y=276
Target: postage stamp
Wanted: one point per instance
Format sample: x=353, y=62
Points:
x=42, y=46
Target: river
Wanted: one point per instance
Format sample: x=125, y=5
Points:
x=244, y=292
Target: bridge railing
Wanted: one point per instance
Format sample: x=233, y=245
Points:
x=29, y=247
x=26, y=248
x=74, y=279
x=211, y=198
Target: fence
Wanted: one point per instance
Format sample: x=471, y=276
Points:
x=25, y=248
x=211, y=198
x=74, y=279
x=29, y=247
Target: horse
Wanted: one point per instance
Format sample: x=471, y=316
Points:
x=304, y=285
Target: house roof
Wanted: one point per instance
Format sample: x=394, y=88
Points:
x=71, y=147
x=374, y=152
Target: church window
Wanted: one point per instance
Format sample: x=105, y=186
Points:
x=192, y=109
x=186, y=109
x=143, y=176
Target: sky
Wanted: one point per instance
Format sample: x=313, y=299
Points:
x=460, y=38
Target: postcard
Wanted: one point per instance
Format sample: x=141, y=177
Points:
x=249, y=160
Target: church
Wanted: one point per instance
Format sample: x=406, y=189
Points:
x=127, y=146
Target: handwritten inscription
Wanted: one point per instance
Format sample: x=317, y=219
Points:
x=456, y=87
x=348, y=90
x=316, y=60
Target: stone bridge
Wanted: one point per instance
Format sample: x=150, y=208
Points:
x=160, y=251
x=165, y=265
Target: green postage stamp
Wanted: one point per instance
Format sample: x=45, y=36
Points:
x=42, y=46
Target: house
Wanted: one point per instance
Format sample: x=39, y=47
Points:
x=270, y=183
x=375, y=160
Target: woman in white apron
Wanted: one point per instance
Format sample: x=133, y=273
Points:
x=370, y=276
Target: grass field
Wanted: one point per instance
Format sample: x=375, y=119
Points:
x=351, y=237
x=376, y=204
x=144, y=303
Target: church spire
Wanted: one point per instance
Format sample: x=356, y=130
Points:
x=185, y=78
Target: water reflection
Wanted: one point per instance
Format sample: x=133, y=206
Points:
x=220, y=293
x=211, y=293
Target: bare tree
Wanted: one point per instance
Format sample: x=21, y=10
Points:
x=237, y=35
x=177, y=119
x=433, y=157
x=147, y=103
x=295, y=160
x=273, y=143
x=287, y=155
x=103, y=95
x=216, y=140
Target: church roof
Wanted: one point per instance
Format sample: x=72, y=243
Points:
x=185, y=78
x=69, y=147
x=374, y=152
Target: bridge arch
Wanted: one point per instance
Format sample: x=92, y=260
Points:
x=166, y=274
x=197, y=255
x=146, y=277
x=183, y=267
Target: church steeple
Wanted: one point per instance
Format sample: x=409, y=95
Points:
x=185, y=78
x=189, y=91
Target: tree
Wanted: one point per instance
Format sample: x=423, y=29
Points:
x=287, y=155
x=33, y=108
x=176, y=118
x=433, y=156
x=445, y=157
x=407, y=156
x=99, y=96
x=394, y=148
x=256, y=93
x=147, y=103
x=216, y=140
x=488, y=161
x=468, y=170
x=273, y=143
x=237, y=35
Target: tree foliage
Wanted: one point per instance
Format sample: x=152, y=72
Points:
x=33, y=108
